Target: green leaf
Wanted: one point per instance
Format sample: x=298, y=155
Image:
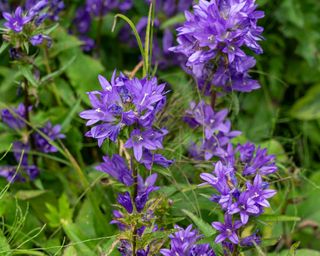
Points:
x=308, y=107
x=294, y=248
x=3, y=47
x=83, y=73
x=51, y=29
x=204, y=227
x=6, y=139
x=71, y=115
x=278, y=218
x=29, y=194
x=75, y=235
x=173, y=21
x=274, y=147
x=148, y=41
x=301, y=252
x=27, y=73
x=65, y=42
x=58, y=72
x=65, y=212
x=134, y=30
x=4, y=245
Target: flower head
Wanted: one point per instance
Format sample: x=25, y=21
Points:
x=122, y=102
x=184, y=242
x=53, y=133
x=13, y=121
x=144, y=189
x=149, y=139
x=17, y=20
x=213, y=38
x=227, y=230
x=117, y=168
x=256, y=160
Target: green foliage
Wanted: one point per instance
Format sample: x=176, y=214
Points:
x=67, y=210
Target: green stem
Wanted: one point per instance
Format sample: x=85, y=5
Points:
x=235, y=251
x=148, y=41
x=53, y=86
x=27, y=104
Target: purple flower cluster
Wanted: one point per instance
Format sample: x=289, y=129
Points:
x=16, y=21
x=125, y=102
x=130, y=105
x=184, y=242
x=13, y=173
x=54, y=8
x=95, y=9
x=36, y=141
x=240, y=200
x=216, y=129
x=214, y=37
x=13, y=120
x=135, y=205
x=36, y=12
x=102, y=7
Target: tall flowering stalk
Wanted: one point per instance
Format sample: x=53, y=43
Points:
x=128, y=108
x=213, y=39
x=24, y=29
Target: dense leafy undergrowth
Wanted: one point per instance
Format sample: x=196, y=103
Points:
x=131, y=128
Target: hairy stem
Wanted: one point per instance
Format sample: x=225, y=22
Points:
x=213, y=99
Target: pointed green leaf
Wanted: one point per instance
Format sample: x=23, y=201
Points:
x=204, y=227
x=3, y=47
x=278, y=218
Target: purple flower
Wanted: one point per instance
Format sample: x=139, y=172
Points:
x=213, y=39
x=82, y=20
x=145, y=93
x=245, y=205
x=259, y=192
x=13, y=121
x=107, y=109
x=144, y=189
x=32, y=171
x=17, y=20
x=227, y=230
x=4, y=6
x=53, y=133
x=251, y=240
x=100, y=7
x=148, y=159
x=203, y=115
x=87, y=43
x=224, y=181
x=53, y=8
x=117, y=168
x=39, y=39
x=125, y=5
x=183, y=242
x=34, y=8
x=149, y=139
x=18, y=148
x=256, y=160
x=122, y=102
x=11, y=174
x=125, y=200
